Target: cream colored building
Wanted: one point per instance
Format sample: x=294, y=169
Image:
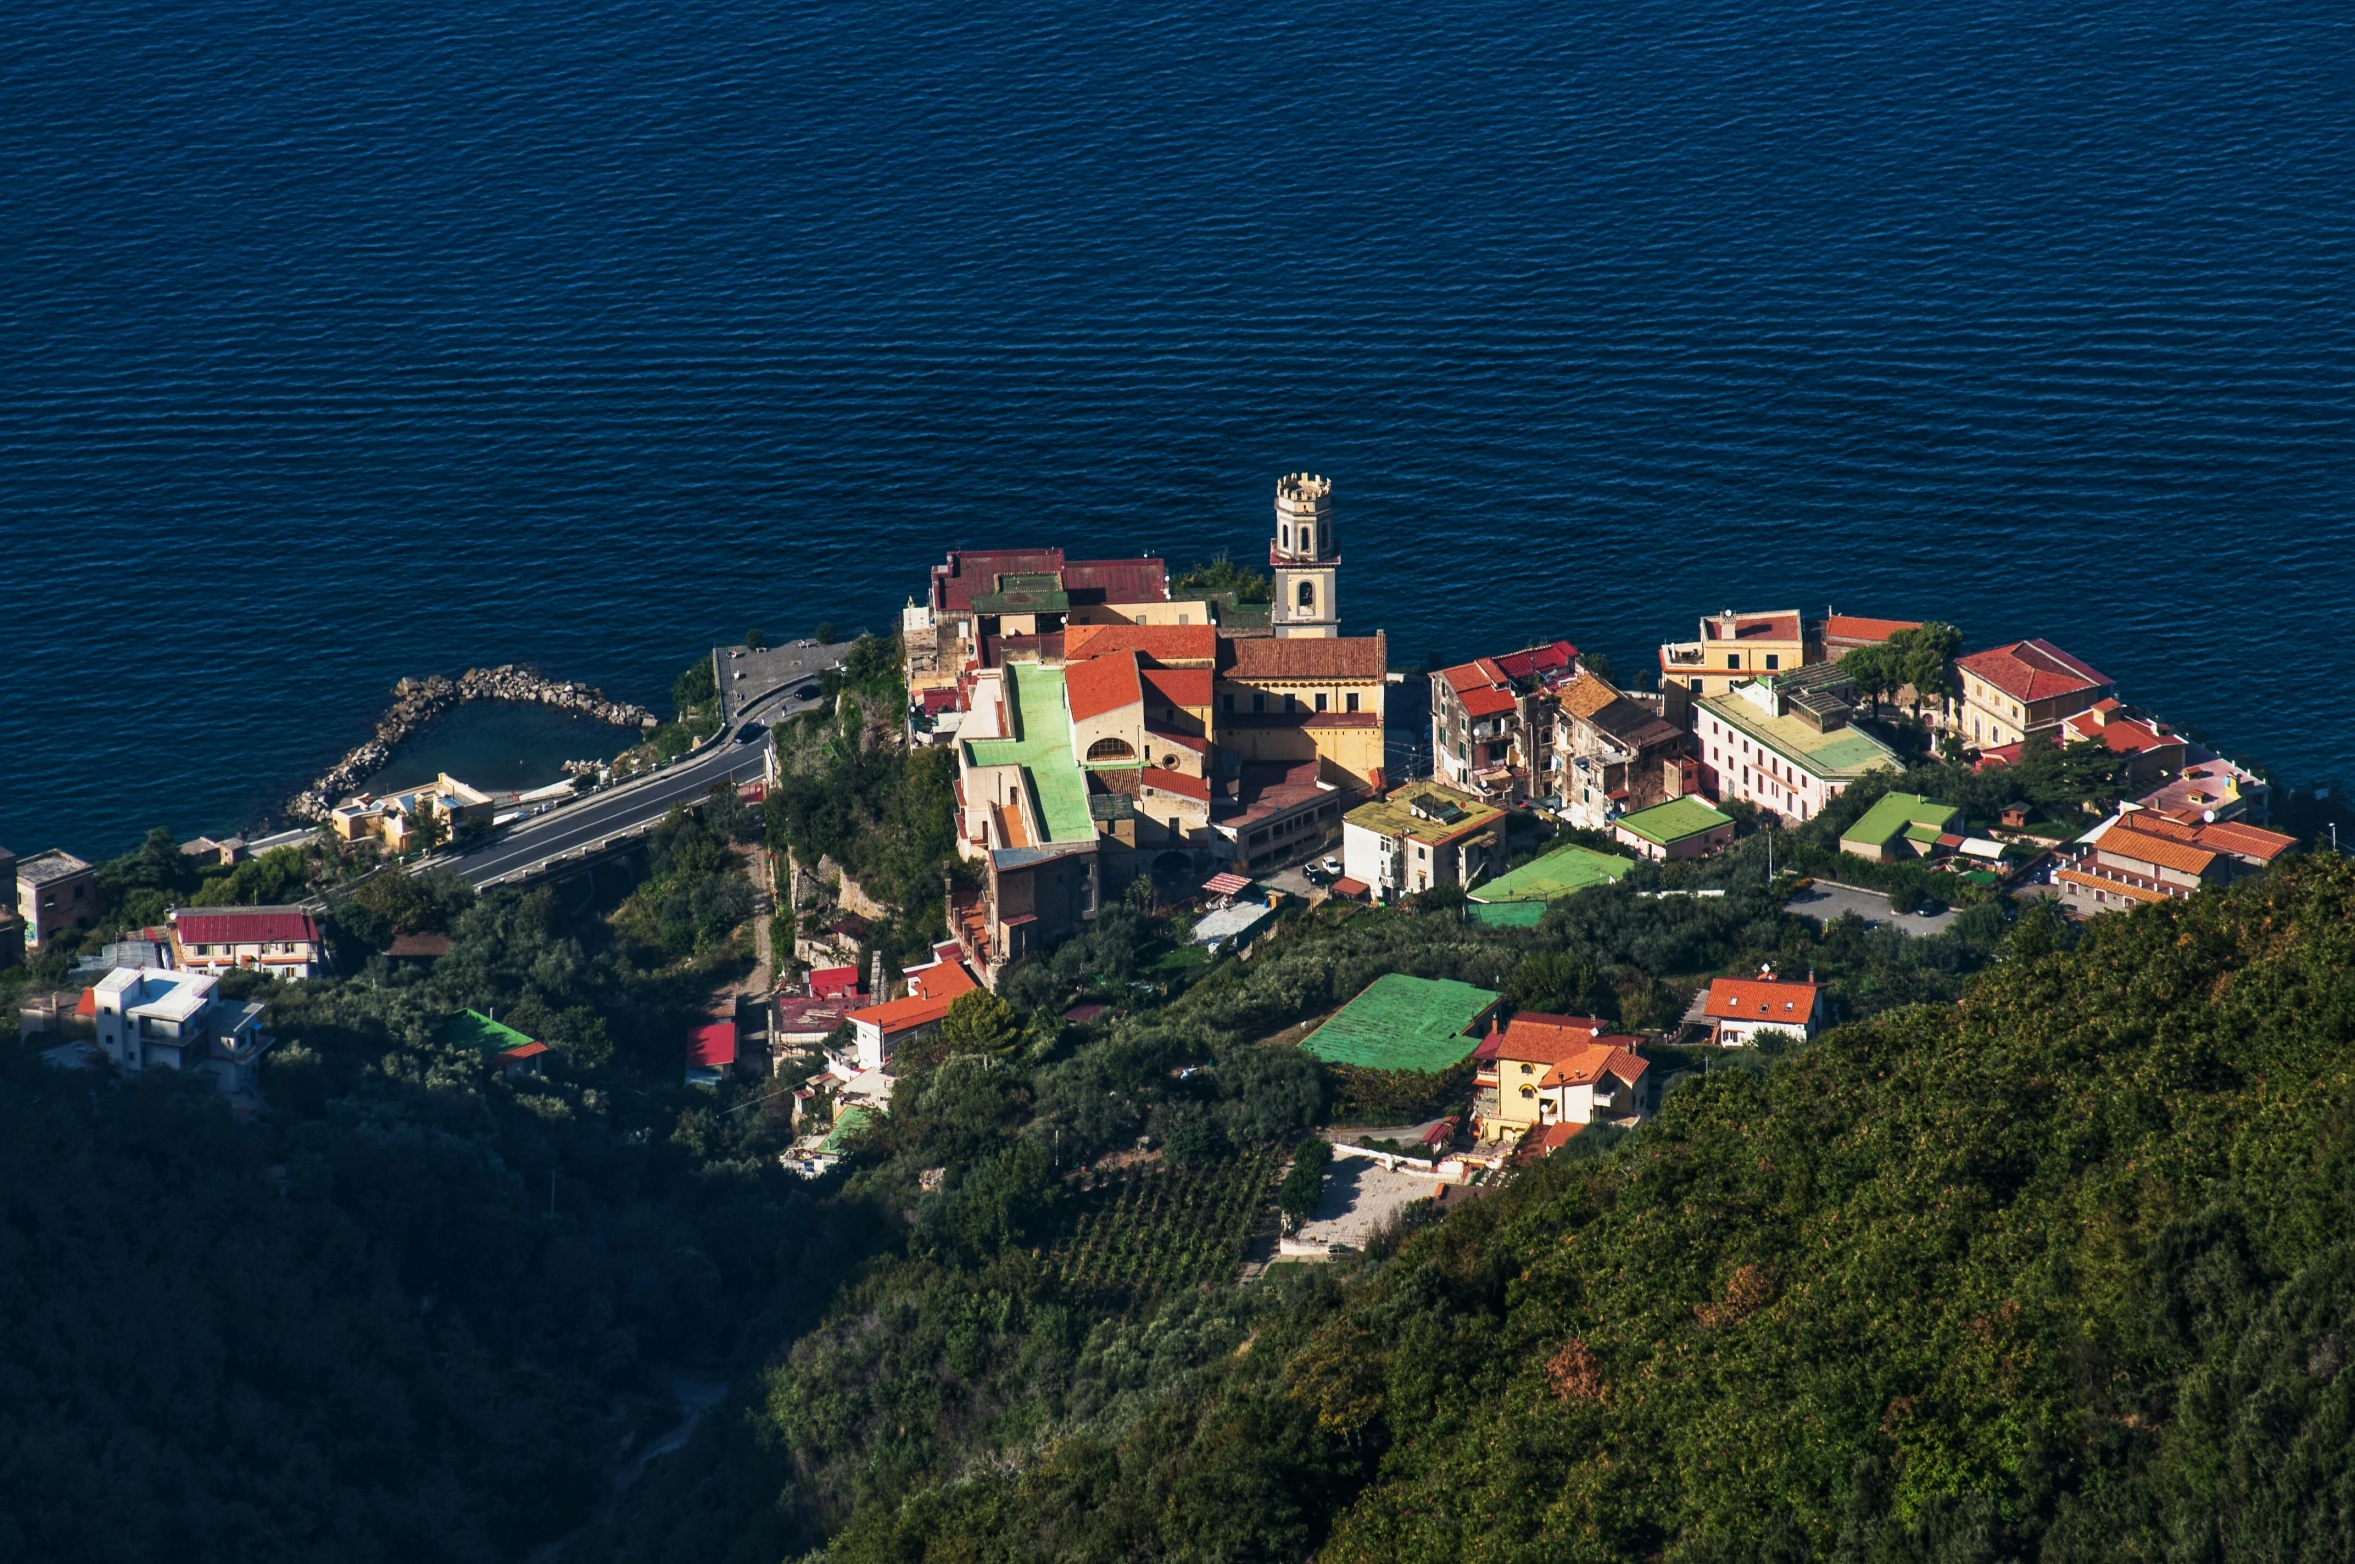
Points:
x=2027, y=687
x=1735, y=648
x=397, y=820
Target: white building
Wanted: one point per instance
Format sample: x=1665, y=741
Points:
x=1784, y=745
x=149, y=1019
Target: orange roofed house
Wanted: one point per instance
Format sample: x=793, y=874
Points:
x=1547, y=1070
x=2143, y=856
x=1741, y=1008
x=2026, y=688
x=878, y=1030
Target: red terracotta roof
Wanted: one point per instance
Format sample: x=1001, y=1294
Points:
x=1365, y=657
x=712, y=1047
x=534, y=1050
x=246, y=926
x=87, y=1006
x=1751, y=999
x=1169, y=645
x=2033, y=670
x=1166, y=780
x=1851, y=629
x=972, y=573
x=2246, y=841
x=1547, y=1139
x=1186, y=688
x=1536, y=661
x=1102, y=684
x=943, y=980
x=1591, y=1063
x=1487, y=701
x=834, y=982
x=1754, y=627
x=1350, y=889
x=2148, y=847
x=1534, y=1039
x=901, y=1015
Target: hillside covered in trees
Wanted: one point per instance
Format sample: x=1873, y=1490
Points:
x=2065, y=1270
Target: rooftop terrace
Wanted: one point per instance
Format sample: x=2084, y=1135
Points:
x=1839, y=755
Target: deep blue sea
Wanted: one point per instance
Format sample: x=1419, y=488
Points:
x=342, y=342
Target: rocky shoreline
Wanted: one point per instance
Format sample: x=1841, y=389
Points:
x=417, y=702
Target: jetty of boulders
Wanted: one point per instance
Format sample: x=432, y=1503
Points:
x=417, y=702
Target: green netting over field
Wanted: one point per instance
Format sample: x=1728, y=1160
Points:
x=1556, y=874
x=1508, y=914
x=1403, y=1023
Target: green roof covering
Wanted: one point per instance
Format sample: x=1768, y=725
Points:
x=1404, y=1023
x=1664, y=825
x=1558, y=873
x=851, y=1121
x=1508, y=914
x=1041, y=719
x=1840, y=755
x=1898, y=814
x=473, y=1029
x=1395, y=815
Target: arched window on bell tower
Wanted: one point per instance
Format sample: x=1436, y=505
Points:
x=1308, y=595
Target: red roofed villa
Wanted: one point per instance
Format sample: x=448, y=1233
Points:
x=1740, y=1008
x=281, y=942
x=878, y=1030
x=2028, y=687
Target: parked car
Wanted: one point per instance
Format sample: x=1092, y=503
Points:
x=1331, y=866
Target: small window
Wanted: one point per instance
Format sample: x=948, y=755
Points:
x=1259, y=703
x=1696, y=686
x=1528, y=1091
x=1226, y=703
x=1185, y=619
x=1733, y=659
x=1350, y=701
x=1308, y=595
x=1320, y=700
x=1774, y=660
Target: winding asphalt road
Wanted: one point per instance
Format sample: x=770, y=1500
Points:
x=584, y=828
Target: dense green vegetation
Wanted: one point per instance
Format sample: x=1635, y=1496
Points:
x=2041, y=1254
x=1225, y=575
x=849, y=790
x=418, y=1309
x=2062, y=1272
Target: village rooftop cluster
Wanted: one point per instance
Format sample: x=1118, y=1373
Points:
x=1106, y=726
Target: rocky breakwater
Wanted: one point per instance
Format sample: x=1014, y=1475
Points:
x=417, y=702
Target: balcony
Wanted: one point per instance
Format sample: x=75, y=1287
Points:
x=1682, y=654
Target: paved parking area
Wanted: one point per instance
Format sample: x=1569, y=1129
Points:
x=1360, y=1196
x=1824, y=901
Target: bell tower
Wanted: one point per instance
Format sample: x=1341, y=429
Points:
x=1305, y=561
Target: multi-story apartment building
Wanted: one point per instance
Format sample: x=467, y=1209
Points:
x=55, y=891
x=1421, y=837
x=2026, y=688
x=1735, y=648
x=1612, y=753
x=1492, y=721
x=1785, y=744
x=155, y=1020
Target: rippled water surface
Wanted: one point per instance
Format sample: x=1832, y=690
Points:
x=344, y=342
